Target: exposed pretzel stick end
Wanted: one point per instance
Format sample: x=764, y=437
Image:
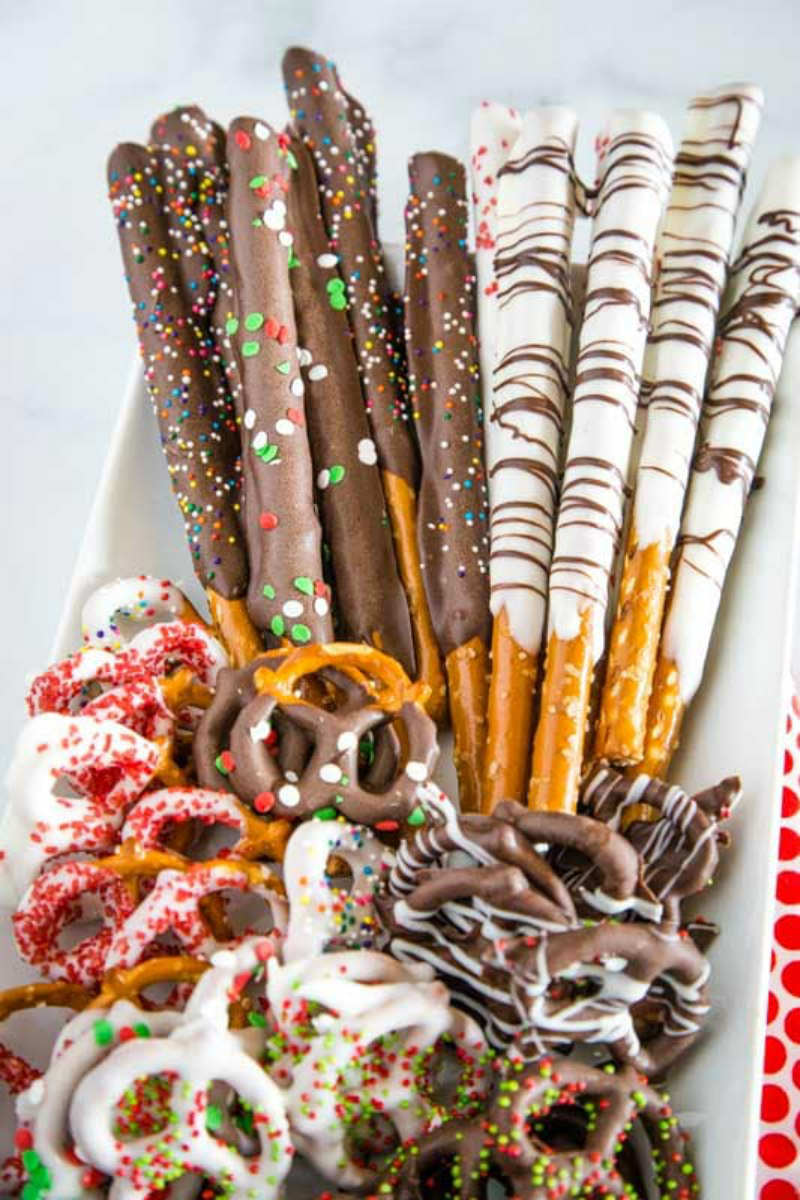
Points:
x=506, y=768
x=664, y=719
x=467, y=673
x=558, y=744
x=37, y=995
x=236, y=631
x=402, y=507
x=622, y=724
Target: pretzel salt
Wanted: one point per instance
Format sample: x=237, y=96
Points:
x=635, y=166
x=692, y=254
x=758, y=309
x=533, y=318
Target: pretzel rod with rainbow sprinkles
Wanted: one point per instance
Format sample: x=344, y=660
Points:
x=533, y=325
x=692, y=254
x=635, y=171
x=760, y=305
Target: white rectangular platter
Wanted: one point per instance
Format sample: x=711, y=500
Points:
x=736, y=725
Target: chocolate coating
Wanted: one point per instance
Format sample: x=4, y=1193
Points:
x=370, y=601
x=287, y=596
x=341, y=140
x=442, y=355
x=164, y=255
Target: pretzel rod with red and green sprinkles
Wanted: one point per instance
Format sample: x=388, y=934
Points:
x=340, y=136
x=288, y=598
x=172, y=284
x=370, y=602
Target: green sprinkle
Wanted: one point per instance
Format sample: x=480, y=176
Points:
x=258, y=1019
x=301, y=633
x=325, y=814
x=258, y=181
x=219, y=763
x=304, y=585
x=290, y=158
x=254, y=321
x=417, y=817
x=141, y=1030
x=337, y=302
x=267, y=453
x=294, y=261
x=213, y=1118
x=278, y=626
x=283, y=368
x=250, y=349
x=231, y=325
x=269, y=591
x=336, y=473
x=103, y=1032
x=333, y=286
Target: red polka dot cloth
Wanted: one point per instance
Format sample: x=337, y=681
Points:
x=779, y=1144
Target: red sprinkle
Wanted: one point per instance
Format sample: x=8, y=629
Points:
x=23, y=1139
x=387, y=826
x=264, y=802
x=268, y=520
x=228, y=761
x=243, y=139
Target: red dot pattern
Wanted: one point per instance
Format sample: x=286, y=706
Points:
x=779, y=1143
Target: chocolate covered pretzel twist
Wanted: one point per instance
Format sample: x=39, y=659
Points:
x=370, y=601
x=445, y=393
x=287, y=597
x=339, y=135
x=173, y=285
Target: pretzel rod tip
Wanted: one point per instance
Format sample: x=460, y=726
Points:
x=511, y=708
x=237, y=632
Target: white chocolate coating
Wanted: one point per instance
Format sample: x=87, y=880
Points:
x=692, y=253
x=635, y=171
x=136, y=598
x=759, y=307
x=53, y=748
x=535, y=217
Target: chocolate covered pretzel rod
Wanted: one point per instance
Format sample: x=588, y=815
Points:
x=692, y=251
x=340, y=137
x=535, y=216
x=371, y=603
x=172, y=283
x=443, y=382
x=287, y=597
x=635, y=166
x=759, y=307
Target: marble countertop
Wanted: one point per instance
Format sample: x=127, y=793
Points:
x=79, y=76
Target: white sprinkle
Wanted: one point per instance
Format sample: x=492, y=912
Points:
x=367, y=452
x=323, y=479
x=284, y=427
x=279, y=207
x=330, y=773
x=304, y=357
x=261, y=131
x=292, y=776
x=259, y=440
x=249, y=418
x=346, y=741
x=416, y=771
x=261, y=731
x=318, y=371
x=297, y=387
x=321, y=606
x=285, y=238
x=326, y=261
x=273, y=219
x=293, y=608
x=289, y=795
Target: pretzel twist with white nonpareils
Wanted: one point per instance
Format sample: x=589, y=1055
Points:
x=635, y=160
x=380, y=1025
x=535, y=217
x=692, y=254
x=761, y=302
x=107, y=765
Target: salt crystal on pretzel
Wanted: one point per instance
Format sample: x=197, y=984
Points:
x=445, y=394
x=190, y=398
x=135, y=598
x=371, y=604
x=107, y=765
x=340, y=137
x=635, y=159
x=287, y=596
x=692, y=254
x=535, y=216
x=757, y=311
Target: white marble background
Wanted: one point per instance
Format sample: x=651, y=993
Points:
x=80, y=75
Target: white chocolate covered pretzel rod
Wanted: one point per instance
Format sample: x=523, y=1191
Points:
x=535, y=215
x=759, y=307
x=635, y=170
x=692, y=255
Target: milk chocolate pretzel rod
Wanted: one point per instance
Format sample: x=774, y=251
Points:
x=338, y=134
x=554, y=1128
x=371, y=604
x=692, y=254
x=635, y=166
x=533, y=319
x=759, y=307
x=381, y=710
x=287, y=597
x=190, y=399
x=445, y=394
